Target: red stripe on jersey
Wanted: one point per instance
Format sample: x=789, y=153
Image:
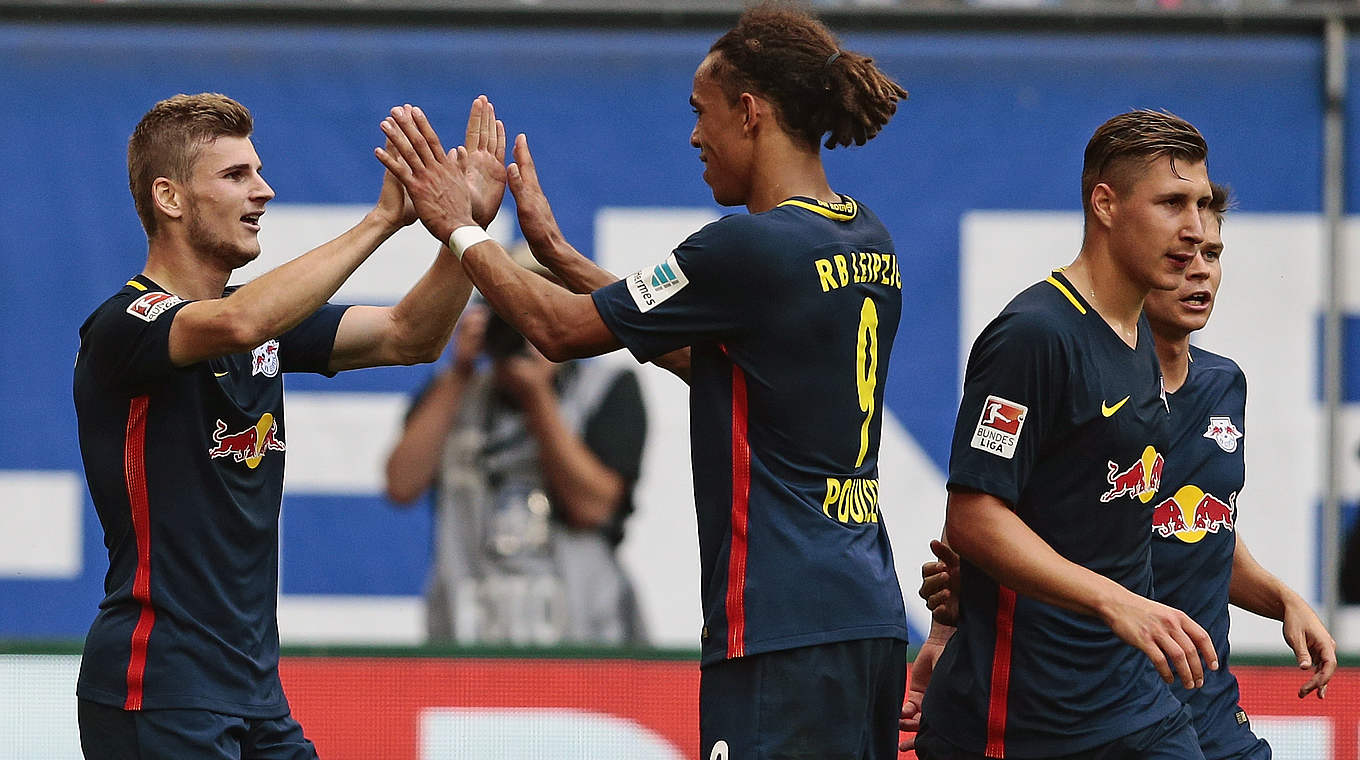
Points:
x=741, y=492
x=1001, y=673
x=134, y=469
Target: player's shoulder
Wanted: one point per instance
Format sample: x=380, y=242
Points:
x=1046, y=310
x=1216, y=367
x=139, y=298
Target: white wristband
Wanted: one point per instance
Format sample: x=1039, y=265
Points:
x=465, y=237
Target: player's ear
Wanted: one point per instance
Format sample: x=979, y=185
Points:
x=168, y=197
x=1103, y=202
x=752, y=110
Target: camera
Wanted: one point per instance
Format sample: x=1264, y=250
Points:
x=502, y=339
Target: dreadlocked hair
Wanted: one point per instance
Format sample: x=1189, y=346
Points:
x=786, y=55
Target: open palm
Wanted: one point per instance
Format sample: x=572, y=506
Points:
x=484, y=161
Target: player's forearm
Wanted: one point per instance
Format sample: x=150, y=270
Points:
x=560, y=324
x=414, y=461
x=425, y=317
x=587, y=491
x=983, y=530
x=276, y=301
x=1255, y=589
x=578, y=273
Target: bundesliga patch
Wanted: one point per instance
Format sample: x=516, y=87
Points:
x=649, y=287
x=998, y=427
x=148, y=306
x=1223, y=432
x=264, y=359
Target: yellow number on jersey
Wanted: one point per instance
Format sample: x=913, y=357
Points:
x=866, y=370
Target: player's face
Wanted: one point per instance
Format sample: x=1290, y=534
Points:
x=1156, y=225
x=1187, y=308
x=226, y=196
x=719, y=134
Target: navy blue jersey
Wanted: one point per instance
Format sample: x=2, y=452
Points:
x=185, y=468
x=791, y=315
x=1193, y=538
x=1065, y=422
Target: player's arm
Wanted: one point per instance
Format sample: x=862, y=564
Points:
x=414, y=461
x=1255, y=589
x=561, y=324
x=939, y=587
x=417, y=328
x=278, y=300
x=985, y=531
x=550, y=246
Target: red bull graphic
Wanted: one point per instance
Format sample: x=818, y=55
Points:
x=1141, y=479
x=1191, y=514
x=249, y=445
x=264, y=359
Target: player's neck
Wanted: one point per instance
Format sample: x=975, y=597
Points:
x=785, y=171
x=1117, y=299
x=1173, y=354
x=182, y=271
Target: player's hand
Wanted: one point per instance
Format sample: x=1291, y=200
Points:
x=921, y=669
x=484, y=167
x=940, y=584
x=1168, y=637
x=435, y=181
x=469, y=337
x=393, y=203
x=536, y=221
x=1313, y=646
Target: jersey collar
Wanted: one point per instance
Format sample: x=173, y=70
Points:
x=844, y=211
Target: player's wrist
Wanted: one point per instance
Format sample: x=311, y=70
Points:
x=464, y=237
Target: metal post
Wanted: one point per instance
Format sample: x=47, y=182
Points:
x=1334, y=212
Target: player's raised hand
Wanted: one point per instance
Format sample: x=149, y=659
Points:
x=393, y=202
x=536, y=221
x=1313, y=646
x=484, y=162
x=1169, y=638
x=434, y=180
x=940, y=583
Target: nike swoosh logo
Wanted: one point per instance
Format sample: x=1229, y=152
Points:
x=1107, y=410
x=224, y=374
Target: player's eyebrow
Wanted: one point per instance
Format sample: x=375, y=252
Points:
x=242, y=167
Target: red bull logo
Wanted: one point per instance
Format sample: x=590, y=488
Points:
x=1192, y=514
x=249, y=445
x=1141, y=479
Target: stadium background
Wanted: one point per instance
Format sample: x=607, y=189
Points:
x=976, y=178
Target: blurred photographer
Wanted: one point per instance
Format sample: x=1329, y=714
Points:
x=532, y=466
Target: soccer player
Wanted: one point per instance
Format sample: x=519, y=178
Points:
x=179, y=399
x=1200, y=562
x=790, y=311
x=1058, y=453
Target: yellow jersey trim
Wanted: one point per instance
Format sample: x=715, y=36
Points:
x=840, y=212
x=1062, y=289
x=136, y=284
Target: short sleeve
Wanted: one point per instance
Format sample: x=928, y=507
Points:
x=126, y=343
x=307, y=347
x=696, y=295
x=1012, y=387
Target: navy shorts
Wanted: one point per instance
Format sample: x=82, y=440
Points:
x=838, y=701
x=111, y=733
x=1171, y=738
